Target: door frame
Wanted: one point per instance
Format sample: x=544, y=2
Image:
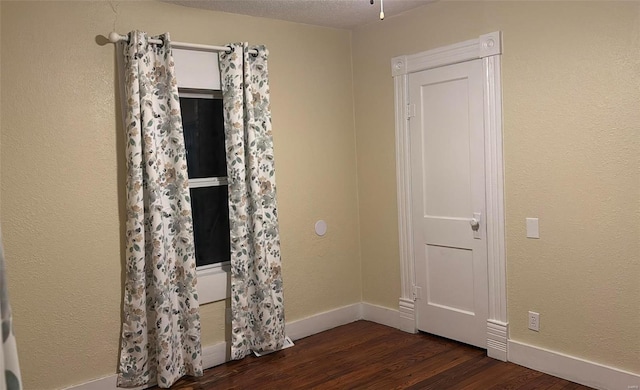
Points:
x=488, y=48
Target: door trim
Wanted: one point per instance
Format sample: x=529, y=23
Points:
x=488, y=48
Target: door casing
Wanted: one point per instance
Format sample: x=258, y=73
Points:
x=488, y=48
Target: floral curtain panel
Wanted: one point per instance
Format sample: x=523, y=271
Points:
x=257, y=306
x=161, y=325
x=9, y=367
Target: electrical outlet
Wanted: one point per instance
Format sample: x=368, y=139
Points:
x=534, y=321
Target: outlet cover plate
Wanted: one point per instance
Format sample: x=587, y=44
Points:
x=533, y=229
x=534, y=321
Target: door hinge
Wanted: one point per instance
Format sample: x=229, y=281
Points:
x=411, y=111
x=417, y=292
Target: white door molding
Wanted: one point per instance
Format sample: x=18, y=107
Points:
x=487, y=47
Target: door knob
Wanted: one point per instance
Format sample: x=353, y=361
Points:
x=475, y=225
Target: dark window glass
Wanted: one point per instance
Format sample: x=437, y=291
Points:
x=210, y=224
x=206, y=158
x=204, y=137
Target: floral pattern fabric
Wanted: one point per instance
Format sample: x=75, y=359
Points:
x=9, y=367
x=161, y=326
x=257, y=306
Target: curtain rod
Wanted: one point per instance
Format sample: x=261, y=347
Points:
x=115, y=37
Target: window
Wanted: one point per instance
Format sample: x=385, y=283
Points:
x=206, y=162
x=201, y=105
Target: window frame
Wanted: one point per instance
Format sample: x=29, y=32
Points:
x=214, y=280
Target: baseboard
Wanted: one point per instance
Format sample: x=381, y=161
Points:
x=106, y=383
x=381, y=315
x=217, y=354
x=572, y=368
x=564, y=366
x=212, y=356
x=323, y=321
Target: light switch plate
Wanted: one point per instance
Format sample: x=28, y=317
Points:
x=533, y=230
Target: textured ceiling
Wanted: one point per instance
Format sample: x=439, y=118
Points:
x=346, y=14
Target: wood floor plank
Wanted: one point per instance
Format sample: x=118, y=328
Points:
x=365, y=355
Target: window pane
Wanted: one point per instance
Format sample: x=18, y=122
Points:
x=210, y=224
x=204, y=137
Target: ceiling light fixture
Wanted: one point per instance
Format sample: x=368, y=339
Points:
x=381, y=8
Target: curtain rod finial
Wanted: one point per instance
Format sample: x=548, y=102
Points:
x=114, y=37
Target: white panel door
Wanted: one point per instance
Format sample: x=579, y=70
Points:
x=448, y=195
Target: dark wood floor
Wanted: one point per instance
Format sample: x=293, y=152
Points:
x=364, y=355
